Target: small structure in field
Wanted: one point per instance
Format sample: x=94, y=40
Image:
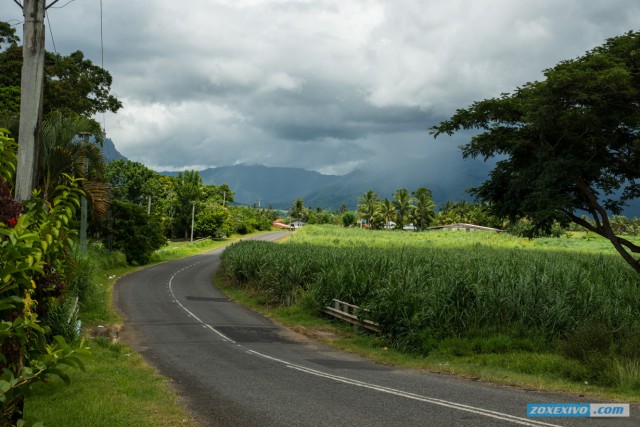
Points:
x=459, y=226
x=279, y=224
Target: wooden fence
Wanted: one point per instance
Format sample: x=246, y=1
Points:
x=349, y=313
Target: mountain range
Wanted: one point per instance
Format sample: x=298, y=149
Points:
x=446, y=174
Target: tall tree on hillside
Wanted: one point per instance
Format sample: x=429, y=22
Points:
x=569, y=144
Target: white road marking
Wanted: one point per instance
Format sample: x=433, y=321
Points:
x=446, y=403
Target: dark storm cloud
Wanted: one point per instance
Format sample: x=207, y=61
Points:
x=327, y=85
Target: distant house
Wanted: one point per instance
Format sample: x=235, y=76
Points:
x=278, y=224
x=459, y=226
x=409, y=227
x=297, y=224
x=390, y=225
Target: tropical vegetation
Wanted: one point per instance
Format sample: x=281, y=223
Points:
x=568, y=144
x=417, y=209
x=35, y=238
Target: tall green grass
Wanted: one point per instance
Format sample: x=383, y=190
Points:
x=424, y=288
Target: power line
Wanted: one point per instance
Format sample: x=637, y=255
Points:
x=104, y=120
x=101, y=37
x=51, y=33
x=59, y=7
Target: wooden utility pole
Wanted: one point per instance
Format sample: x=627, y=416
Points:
x=31, y=85
x=193, y=216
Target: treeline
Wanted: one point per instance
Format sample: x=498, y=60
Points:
x=415, y=210
x=147, y=208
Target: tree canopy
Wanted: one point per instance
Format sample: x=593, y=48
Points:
x=568, y=144
x=72, y=83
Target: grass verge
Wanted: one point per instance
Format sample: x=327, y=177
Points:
x=118, y=387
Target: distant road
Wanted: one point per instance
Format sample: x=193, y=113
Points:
x=236, y=368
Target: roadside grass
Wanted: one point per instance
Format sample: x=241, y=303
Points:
x=575, y=285
x=118, y=387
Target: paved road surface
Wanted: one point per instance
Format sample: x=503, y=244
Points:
x=237, y=368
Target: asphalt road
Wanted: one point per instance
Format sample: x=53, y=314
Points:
x=236, y=368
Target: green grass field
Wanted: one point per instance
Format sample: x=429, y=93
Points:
x=562, y=309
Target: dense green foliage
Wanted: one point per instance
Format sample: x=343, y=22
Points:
x=134, y=232
x=426, y=288
x=72, y=83
x=170, y=203
x=130, y=181
x=569, y=143
x=416, y=209
x=32, y=241
x=468, y=213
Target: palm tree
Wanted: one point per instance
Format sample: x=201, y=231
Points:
x=297, y=209
x=65, y=149
x=369, y=206
x=388, y=210
x=424, y=213
x=402, y=202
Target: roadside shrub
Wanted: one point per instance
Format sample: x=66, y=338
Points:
x=589, y=340
x=30, y=246
x=64, y=320
x=348, y=219
x=213, y=221
x=134, y=232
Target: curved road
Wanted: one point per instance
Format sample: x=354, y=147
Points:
x=234, y=367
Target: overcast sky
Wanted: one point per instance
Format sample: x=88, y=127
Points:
x=319, y=84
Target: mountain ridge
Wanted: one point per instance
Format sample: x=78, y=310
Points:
x=446, y=174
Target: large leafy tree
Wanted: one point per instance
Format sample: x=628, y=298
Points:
x=189, y=191
x=72, y=83
x=130, y=181
x=134, y=232
x=568, y=144
x=7, y=34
